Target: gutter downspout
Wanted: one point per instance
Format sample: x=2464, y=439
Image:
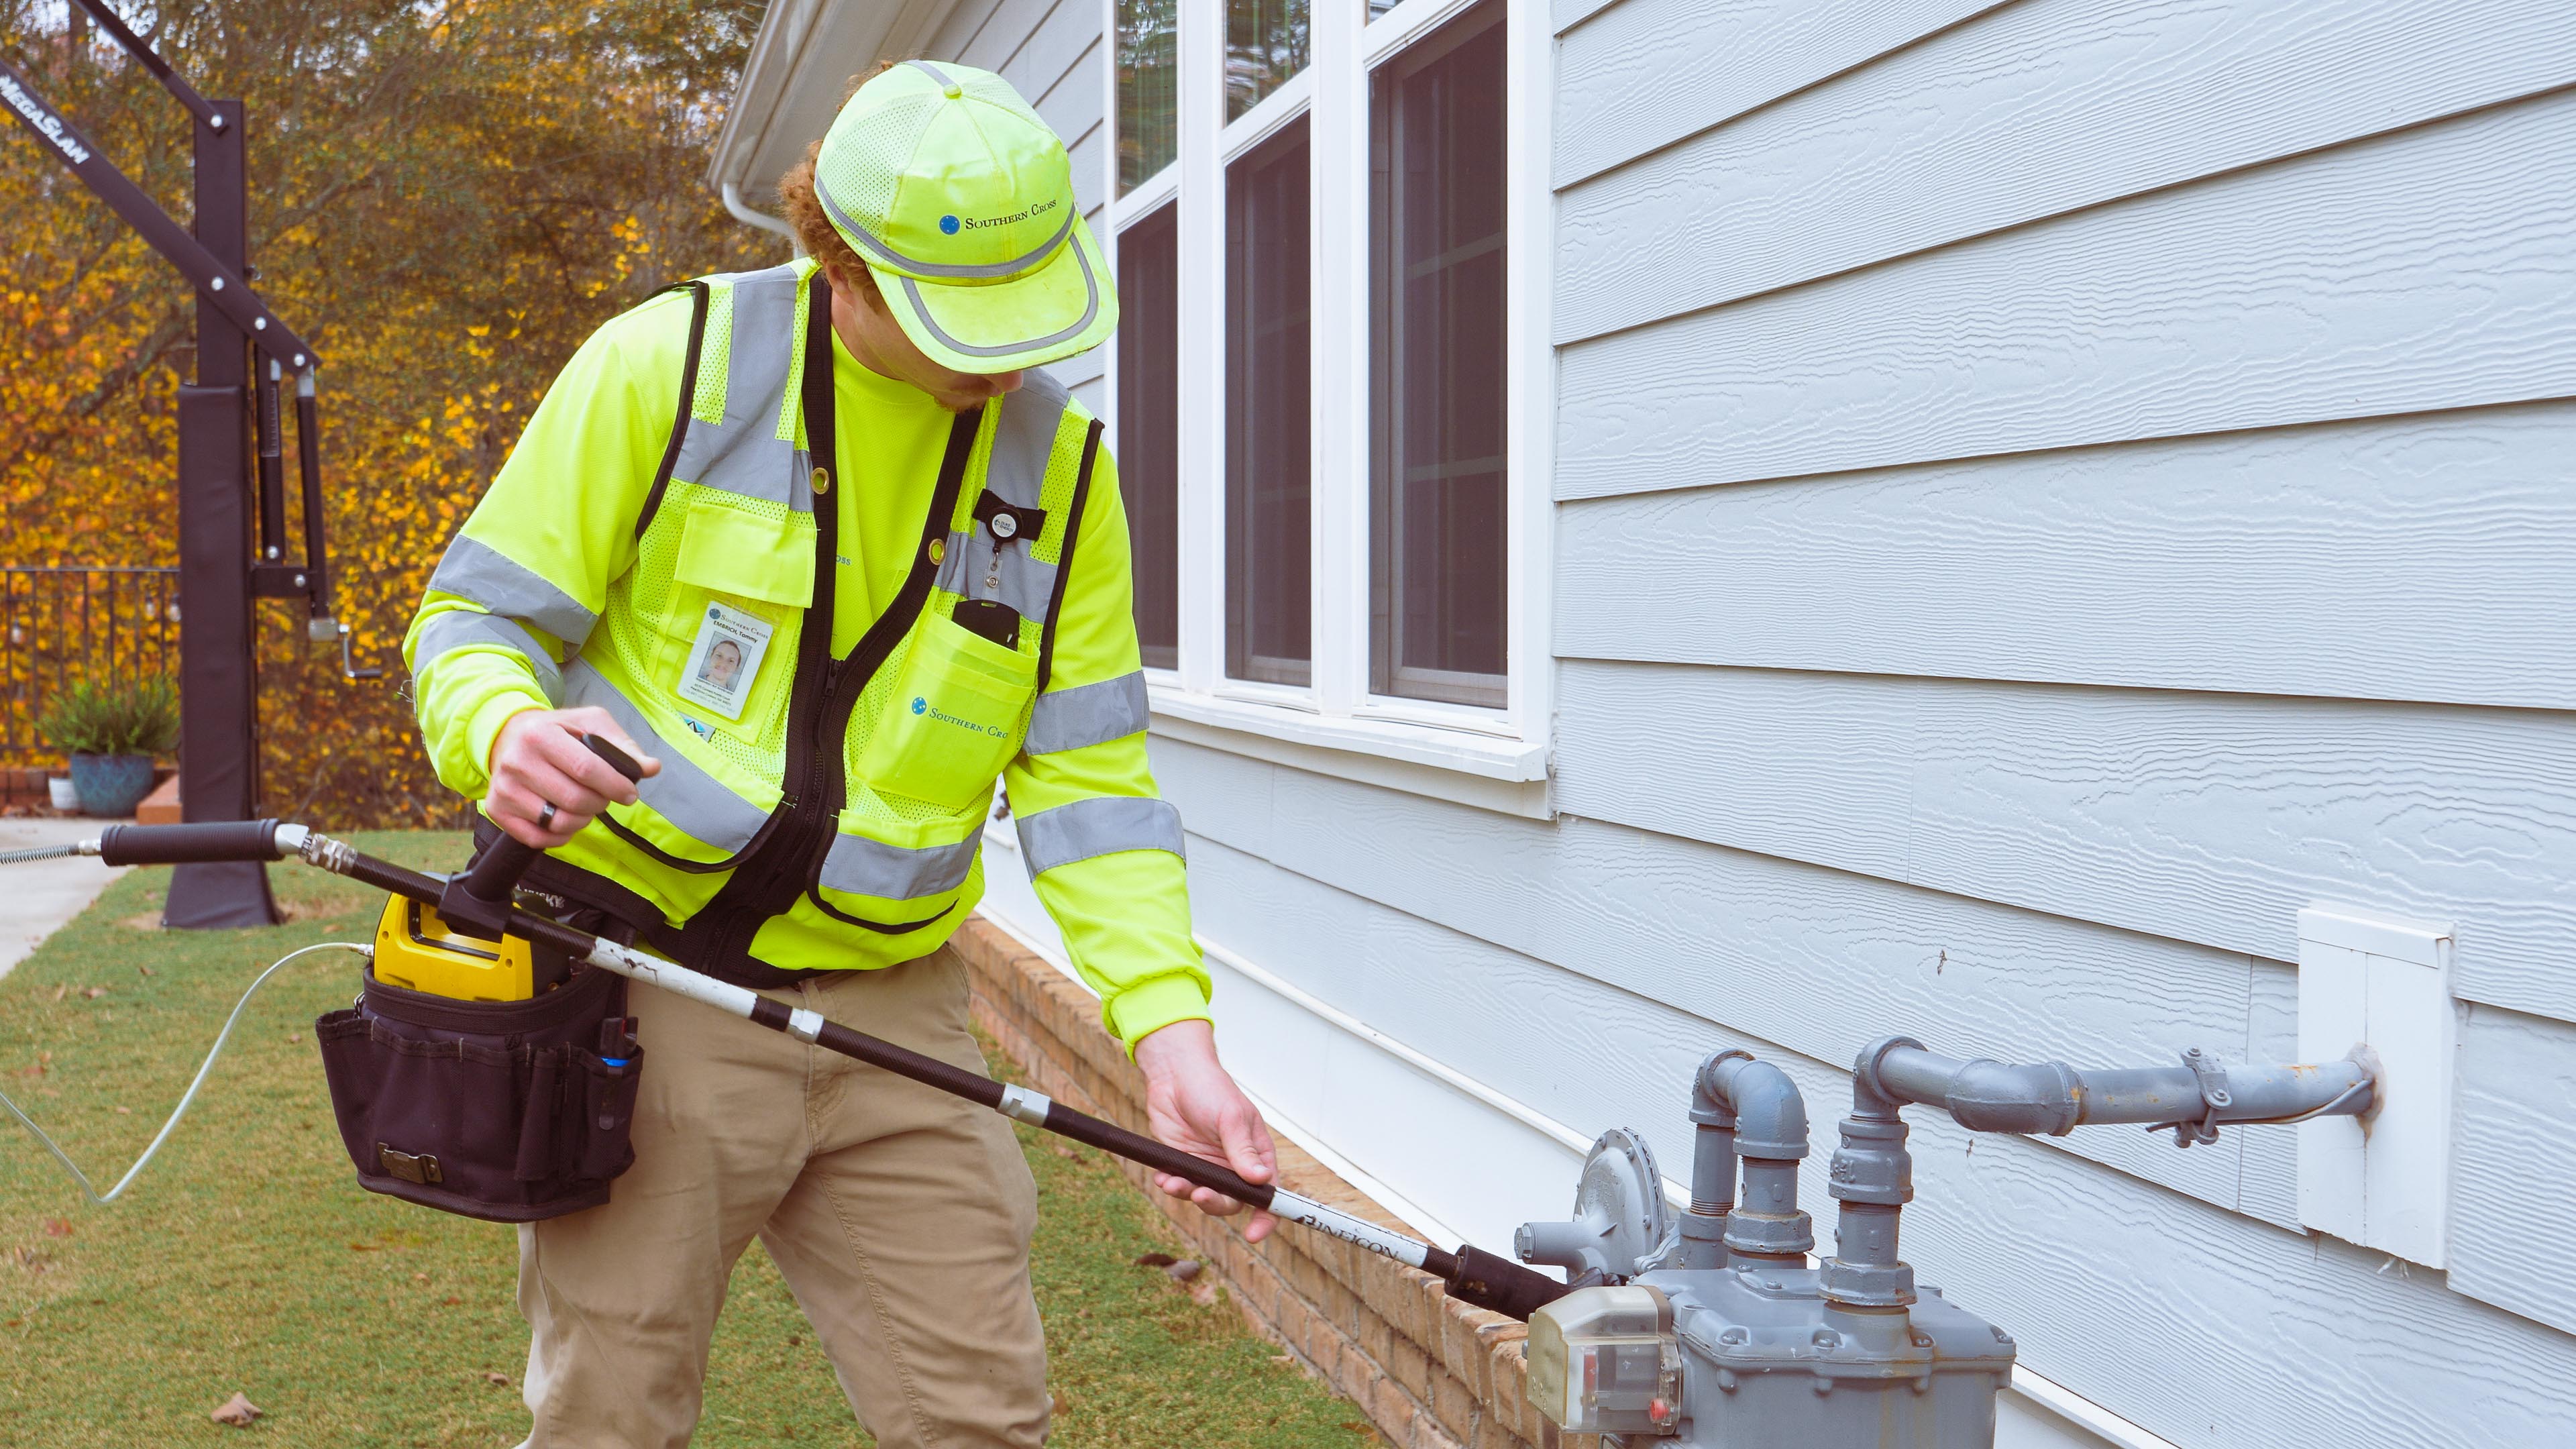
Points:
x=742, y=212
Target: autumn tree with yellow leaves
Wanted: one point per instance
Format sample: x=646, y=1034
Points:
x=446, y=198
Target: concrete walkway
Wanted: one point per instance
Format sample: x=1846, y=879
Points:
x=38, y=897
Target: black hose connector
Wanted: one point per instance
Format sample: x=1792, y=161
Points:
x=210, y=841
x=1489, y=1280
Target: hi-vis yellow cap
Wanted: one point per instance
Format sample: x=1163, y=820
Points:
x=961, y=202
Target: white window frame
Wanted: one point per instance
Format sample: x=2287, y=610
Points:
x=1338, y=711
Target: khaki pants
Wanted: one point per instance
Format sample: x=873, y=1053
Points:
x=900, y=1217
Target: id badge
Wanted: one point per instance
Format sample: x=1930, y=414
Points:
x=725, y=660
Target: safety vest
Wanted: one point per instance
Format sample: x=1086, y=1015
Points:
x=815, y=812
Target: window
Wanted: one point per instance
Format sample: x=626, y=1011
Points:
x=1269, y=465
x=1438, y=505
x=1332, y=389
x=1149, y=465
x=1265, y=44
x=1148, y=136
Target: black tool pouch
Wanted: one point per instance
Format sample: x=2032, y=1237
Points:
x=505, y=1111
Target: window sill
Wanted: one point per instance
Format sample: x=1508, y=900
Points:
x=1490, y=772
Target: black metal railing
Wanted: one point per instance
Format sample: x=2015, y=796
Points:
x=59, y=626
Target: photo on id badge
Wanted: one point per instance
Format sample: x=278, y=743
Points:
x=724, y=660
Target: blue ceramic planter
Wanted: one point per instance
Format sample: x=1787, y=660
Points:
x=111, y=785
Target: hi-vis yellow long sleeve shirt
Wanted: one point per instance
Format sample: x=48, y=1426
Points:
x=555, y=560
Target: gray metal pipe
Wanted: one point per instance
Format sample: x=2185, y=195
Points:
x=1764, y=1224
x=1873, y=1179
x=1712, y=1116
x=2054, y=1098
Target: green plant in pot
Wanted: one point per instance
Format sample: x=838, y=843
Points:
x=112, y=729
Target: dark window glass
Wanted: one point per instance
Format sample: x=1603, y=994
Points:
x=1267, y=440
x=1148, y=133
x=1265, y=44
x=1439, y=520
x=1149, y=441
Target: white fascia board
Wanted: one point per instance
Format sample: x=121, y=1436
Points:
x=783, y=63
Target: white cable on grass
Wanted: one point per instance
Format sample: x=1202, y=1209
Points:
x=103, y=1199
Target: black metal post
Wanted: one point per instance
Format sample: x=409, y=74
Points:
x=218, y=680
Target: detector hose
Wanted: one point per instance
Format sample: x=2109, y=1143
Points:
x=190, y=1096
x=38, y=852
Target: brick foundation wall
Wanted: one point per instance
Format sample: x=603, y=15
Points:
x=25, y=787
x=1428, y=1371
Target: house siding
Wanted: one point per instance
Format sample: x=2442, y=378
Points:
x=2047, y=490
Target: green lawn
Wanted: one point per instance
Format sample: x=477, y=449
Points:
x=247, y=1259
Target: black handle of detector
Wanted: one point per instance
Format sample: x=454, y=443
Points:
x=214, y=840
x=486, y=887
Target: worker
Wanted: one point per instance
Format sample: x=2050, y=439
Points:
x=823, y=546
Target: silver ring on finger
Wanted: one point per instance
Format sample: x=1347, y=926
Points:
x=546, y=817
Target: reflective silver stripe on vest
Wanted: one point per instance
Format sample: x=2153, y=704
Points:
x=743, y=454
x=1021, y=581
x=1024, y=439
x=684, y=794
x=1088, y=714
x=487, y=576
x=457, y=629
x=1023, y=443
x=859, y=866
x=1101, y=825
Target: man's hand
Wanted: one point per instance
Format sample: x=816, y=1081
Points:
x=1194, y=1106
x=538, y=759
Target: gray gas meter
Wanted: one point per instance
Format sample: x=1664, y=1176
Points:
x=1717, y=1329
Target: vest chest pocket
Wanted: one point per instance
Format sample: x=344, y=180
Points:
x=739, y=588
x=954, y=720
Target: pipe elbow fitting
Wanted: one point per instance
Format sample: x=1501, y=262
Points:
x=1712, y=1100
x=1770, y=1114
x=2031, y=1097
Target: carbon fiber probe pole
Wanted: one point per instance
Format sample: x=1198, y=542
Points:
x=1471, y=1274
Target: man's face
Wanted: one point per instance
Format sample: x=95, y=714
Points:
x=878, y=341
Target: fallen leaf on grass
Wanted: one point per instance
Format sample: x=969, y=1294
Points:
x=1155, y=1260
x=124, y=1111
x=146, y=970
x=62, y=991
x=1057, y=1404
x=452, y=1301
x=58, y=1227
x=490, y=1377
x=93, y=992
x=366, y=1247
x=237, y=1411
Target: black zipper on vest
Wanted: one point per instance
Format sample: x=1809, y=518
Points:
x=825, y=690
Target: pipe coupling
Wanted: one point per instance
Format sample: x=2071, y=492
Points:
x=1872, y=1165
